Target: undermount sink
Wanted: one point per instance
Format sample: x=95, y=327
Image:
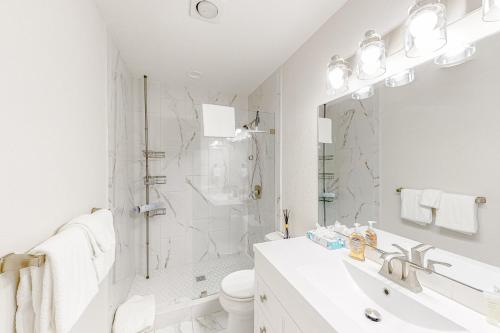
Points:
x=356, y=288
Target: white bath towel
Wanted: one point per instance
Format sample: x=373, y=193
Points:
x=431, y=198
x=63, y=287
x=411, y=210
x=100, y=233
x=137, y=314
x=458, y=212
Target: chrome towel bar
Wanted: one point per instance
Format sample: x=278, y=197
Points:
x=479, y=200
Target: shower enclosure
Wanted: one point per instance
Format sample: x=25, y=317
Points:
x=219, y=194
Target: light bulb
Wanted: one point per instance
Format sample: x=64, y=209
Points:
x=371, y=56
x=424, y=23
x=371, y=68
x=337, y=74
x=337, y=78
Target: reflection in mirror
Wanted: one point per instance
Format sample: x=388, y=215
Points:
x=439, y=132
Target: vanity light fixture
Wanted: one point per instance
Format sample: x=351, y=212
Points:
x=401, y=79
x=371, y=56
x=363, y=93
x=338, y=74
x=491, y=10
x=456, y=56
x=425, y=28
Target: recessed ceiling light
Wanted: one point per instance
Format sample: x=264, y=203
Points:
x=195, y=75
x=207, y=9
x=400, y=79
x=456, y=56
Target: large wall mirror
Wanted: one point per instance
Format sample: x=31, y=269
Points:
x=441, y=131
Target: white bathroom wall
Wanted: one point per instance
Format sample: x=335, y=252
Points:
x=53, y=131
x=304, y=89
x=442, y=132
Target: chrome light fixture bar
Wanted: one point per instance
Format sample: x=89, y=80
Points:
x=371, y=56
x=363, y=93
x=401, y=79
x=456, y=56
x=338, y=74
x=491, y=10
x=426, y=30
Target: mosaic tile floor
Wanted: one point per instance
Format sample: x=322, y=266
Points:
x=181, y=284
x=212, y=323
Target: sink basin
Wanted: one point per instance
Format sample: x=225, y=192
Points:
x=356, y=288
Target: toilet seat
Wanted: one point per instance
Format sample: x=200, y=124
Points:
x=239, y=285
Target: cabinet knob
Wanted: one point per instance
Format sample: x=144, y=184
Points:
x=263, y=329
x=263, y=298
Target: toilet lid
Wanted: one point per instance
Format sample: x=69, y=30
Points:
x=239, y=284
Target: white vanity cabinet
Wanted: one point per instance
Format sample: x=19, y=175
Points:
x=270, y=314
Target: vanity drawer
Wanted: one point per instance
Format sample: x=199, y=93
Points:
x=261, y=324
x=269, y=305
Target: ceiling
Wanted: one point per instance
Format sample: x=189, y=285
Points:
x=253, y=38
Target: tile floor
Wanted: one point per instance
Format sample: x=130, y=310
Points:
x=178, y=285
x=212, y=323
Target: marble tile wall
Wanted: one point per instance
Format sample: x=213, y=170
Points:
x=355, y=163
x=121, y=153
x=209, y=212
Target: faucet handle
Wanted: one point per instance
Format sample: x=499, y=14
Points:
x=431, y=264
x=418, y=253
x=402, y=250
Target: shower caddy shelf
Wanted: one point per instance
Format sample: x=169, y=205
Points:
x=148, y=179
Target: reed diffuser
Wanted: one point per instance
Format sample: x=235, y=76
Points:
x=286, y=215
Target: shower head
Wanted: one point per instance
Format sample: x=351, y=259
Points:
x=253, y=126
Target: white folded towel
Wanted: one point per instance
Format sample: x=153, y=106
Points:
x=458, y=212
x=411, y=210
x=62, y=288
x=137, y=314
x=431, y=198
x=100, y=233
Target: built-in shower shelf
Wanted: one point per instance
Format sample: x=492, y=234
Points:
x=154, y=154
x=157, y=212
x=155, y=180
x=325, y=157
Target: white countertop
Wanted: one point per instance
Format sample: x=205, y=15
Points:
x=326, y=272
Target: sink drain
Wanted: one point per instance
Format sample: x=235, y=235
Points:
x=373, y=315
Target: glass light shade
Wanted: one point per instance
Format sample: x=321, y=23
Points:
x=456, y=56
x=491, y=10
x=401, y=79
x=338, y=75
x=425, y=28
x=371, y=56
x=363, y=93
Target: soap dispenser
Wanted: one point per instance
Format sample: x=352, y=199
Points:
x=357, y=244
x=370, y=235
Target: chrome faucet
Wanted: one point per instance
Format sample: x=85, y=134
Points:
x=418, y=253
x=408, y=277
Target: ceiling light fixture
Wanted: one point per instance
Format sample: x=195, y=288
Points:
x=456, y=56
x=491, y=10
x=338, y=74
x=425, y=28
x=371, y=56
x=401, y=79
x=363, y=93
x=207, y=9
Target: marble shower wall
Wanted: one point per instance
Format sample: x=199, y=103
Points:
x=206, y=196
x=355, y=164
x=121, y=157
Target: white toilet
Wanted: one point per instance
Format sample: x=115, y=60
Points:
x=237, y=294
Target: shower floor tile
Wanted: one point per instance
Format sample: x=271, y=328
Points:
x=181, y=284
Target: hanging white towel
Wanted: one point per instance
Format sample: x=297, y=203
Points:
x=137, y=314
x=431, y=198
x=458, y=212
x=100, y=233
x=411, y=210
x=63, y=287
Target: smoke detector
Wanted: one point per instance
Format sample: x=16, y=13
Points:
x=206, y=10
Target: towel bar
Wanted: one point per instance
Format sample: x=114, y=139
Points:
x=15, y=262
x=479, y=200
